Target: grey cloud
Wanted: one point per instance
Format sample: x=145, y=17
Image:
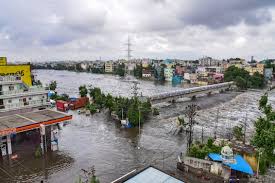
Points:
x=222, y=13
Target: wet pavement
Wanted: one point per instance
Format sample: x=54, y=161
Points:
x=99, y=141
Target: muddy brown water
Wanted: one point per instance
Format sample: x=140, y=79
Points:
x=99, y=141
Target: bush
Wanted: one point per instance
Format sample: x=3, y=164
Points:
x=155, y=111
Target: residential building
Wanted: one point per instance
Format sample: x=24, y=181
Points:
x=16, y=95
x=146, y=73
x=255, y=68
x=169, y=73
x=109, y=67
x=191, y=77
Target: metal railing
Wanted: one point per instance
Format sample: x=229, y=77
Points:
x=22, y=91
x=190, y=90
x=9, y=78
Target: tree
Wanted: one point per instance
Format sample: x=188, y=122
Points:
x=241, y=82
x=238, y=132
x=264, y=137
x=53, y=85
x=138, y=71
x=120, y=70
x=83, y=91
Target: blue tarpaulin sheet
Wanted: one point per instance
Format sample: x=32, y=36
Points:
x=239, y=165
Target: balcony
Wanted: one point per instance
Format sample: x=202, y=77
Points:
x=21, y=105
x=23, y=92
x=10, y=79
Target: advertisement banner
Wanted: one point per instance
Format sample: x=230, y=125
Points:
x=24, y=71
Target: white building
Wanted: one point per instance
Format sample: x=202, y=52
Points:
x=16, y=95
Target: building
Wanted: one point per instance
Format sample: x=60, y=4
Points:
x=16, y=96
x=146, y=73
x=209, y=61
x=148, y=174
x=109, y=67
x=24, y=112
x=191, y=77
x=252, y=69
x=169, y=73
x=22, y=70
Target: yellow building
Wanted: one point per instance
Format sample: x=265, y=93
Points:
x=22, y=70
x=3, y=60
x=109, y=67
x=253, y=69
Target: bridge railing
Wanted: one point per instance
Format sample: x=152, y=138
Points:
x=189, y=90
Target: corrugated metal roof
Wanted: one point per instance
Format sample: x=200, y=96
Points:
x=239, y=165
x=152, y=175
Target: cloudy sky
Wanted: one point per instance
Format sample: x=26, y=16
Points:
x=90, y=29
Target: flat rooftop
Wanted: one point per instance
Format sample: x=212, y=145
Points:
x=17, y=123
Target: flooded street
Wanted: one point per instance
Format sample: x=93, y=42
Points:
x=99, y=141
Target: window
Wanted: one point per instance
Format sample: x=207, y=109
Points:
x=30, y=98
x=10, y=101
x=11, y=87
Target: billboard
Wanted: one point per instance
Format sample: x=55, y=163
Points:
x=3, y=60
x=18, y=70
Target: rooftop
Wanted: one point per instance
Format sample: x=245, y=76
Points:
x=17, y=123
x=148, y=175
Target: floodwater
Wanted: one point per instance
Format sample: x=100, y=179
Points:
x=97, y=140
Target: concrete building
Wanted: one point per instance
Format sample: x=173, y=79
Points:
x=169, y=73
x=252, y=69
x=146, y=73
x=109, y=67
x=191, y=77
x=23, y=109
x=16, y=95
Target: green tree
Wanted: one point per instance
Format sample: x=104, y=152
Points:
x=238, y=132
x=264, y=137
x=83, y=91
x=53, y=85
x=241, y=82
x=120, y=69
x=138, y=71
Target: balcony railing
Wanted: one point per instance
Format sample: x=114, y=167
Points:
x=31, y=103
x=9, y=78
x=34, y=90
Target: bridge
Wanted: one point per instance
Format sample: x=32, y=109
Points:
x=190, y=92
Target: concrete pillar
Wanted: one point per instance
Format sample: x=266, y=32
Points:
x=9, y=144
x=41, y=142
x=52, y=136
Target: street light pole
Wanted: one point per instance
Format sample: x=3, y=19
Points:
x=138, y=124
x=258, y=166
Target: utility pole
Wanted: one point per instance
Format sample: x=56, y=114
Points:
x=202, y=131
x=191, y=111
x=245, y=125
x=216, y=123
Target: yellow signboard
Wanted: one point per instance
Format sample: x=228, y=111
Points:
x=17, y=70
x=3, y=60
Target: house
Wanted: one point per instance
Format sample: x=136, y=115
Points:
x=146, y=73
x=148, y=174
